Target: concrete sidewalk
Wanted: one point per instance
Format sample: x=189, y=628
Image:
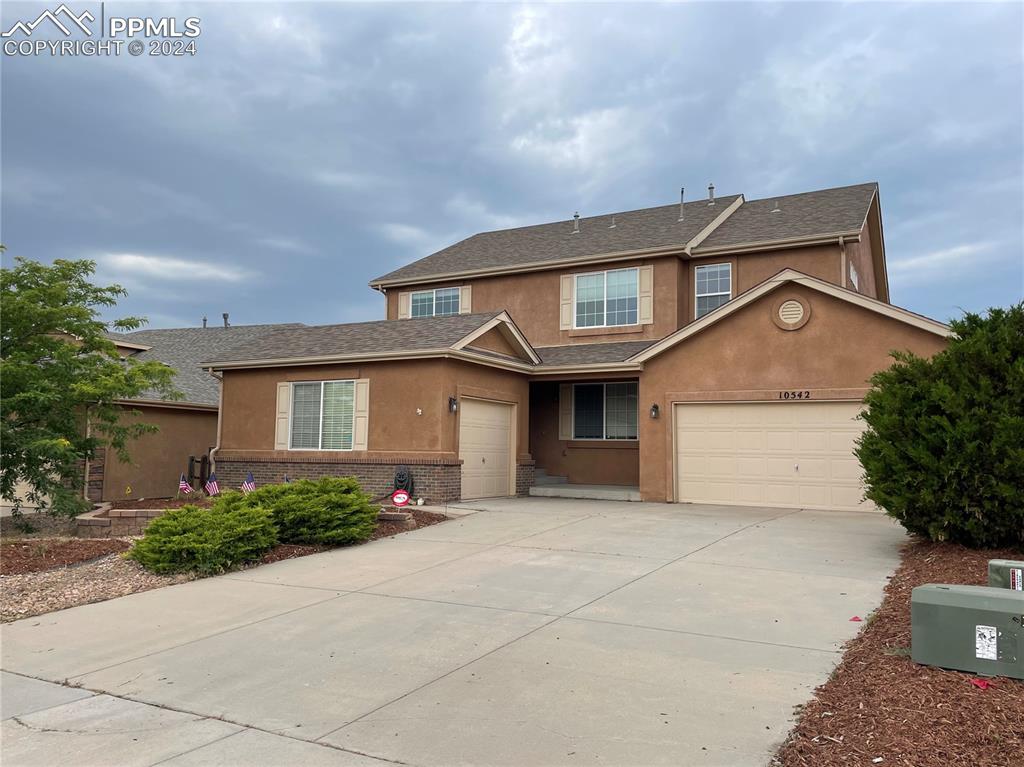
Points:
x=534, y=631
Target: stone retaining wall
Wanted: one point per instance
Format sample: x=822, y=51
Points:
x=105, y=522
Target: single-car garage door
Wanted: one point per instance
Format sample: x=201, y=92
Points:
x=788, y=454
x=485, y=447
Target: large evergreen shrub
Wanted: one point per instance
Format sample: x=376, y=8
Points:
x=333, y=511
x=944, y=448
x=204, y=541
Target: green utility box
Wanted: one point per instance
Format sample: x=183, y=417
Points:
x=968, y=628
x=1006, y=574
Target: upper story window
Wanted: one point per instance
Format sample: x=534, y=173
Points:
x=714, y=287
x=441, y=302
x=322, y=415
x=604, y=411
x=607, y=299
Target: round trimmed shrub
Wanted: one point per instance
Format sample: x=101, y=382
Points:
x=204, y=541
x=944, y=449
x=333, y=511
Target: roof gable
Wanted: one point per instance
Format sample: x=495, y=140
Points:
x=782, y=278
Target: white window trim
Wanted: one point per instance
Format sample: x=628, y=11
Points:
x=604, y=412
x=697, y=295
x=605, y=272
x=320, y=431
x=433, y=292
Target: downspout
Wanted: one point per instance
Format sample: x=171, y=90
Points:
x=842, y=260
x=220, y=410
x=88, y=434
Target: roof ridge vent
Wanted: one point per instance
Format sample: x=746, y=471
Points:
x=775, y=207
x=682, y=195
x=711, y=194
x=576, y=222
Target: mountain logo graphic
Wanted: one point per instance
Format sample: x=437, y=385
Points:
x=26, y=28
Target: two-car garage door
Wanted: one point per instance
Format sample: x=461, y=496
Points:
x=786, y=454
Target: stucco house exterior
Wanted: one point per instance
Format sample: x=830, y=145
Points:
x=187, y=426
x=713, y=351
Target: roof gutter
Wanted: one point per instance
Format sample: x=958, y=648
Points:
x=752, y=247
x=171, y=404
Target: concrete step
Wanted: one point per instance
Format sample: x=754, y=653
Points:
x=543, y=478
x=589, y=492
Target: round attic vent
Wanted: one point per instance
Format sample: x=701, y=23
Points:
x=791, y=312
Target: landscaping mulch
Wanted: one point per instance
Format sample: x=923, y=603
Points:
x=881, y=708
x=288, y=551
x=421, y=518
x=163, y=503
x=35, y=555
x=23, y=596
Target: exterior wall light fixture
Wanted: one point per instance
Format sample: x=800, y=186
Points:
x=655, y=410
x=453, y=404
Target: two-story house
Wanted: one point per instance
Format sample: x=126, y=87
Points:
x=714, y=351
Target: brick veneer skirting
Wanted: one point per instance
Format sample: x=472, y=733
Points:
x=435, y=482
x=525, y=473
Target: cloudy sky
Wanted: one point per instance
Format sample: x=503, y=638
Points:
x=307, y=148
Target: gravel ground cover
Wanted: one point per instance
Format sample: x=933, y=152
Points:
x=27, y=594
x=32, y=555
x=881, y=708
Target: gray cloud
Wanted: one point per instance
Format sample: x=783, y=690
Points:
x=310, y=147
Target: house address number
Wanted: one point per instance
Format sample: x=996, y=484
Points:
x=799, y=394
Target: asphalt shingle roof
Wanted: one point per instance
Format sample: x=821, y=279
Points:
x=184, y=348
x=829, y=211
x=823, y=212
x=633, y=230
x=583, y=354
x=382, y=336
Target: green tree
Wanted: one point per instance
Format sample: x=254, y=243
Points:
x=944, y=449
x=60, y=379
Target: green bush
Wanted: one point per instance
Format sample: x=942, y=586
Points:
x=204, y=541
x=944, y=449
x=333, y=511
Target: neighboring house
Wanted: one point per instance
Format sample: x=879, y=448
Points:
x=716, y=351
x=188, y=426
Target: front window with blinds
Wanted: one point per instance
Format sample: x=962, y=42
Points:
x=605, y=411
x=714, y=287
x=607, y=299
x=322, y=415
x=442, y=302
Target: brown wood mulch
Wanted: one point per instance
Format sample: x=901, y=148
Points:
x=881, y=708
x=420, y=517
x=38, y=554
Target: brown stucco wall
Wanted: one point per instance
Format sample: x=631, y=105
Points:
x=397, y=390
x=599, y=463
x=493, y=340
x=157, y=460
x=532, y=299
x=427, y=442
x=747, y=357
x=861, y=255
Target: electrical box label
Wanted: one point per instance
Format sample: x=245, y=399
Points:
x=985, y=643
x=1017, y=578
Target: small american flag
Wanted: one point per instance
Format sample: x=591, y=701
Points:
x=184, y=486
x=250, y=484
x=211, y=486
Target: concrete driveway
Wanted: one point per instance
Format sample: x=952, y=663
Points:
x=532, y=632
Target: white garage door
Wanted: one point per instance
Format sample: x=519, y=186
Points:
x=485, y=447
x=788, y=454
